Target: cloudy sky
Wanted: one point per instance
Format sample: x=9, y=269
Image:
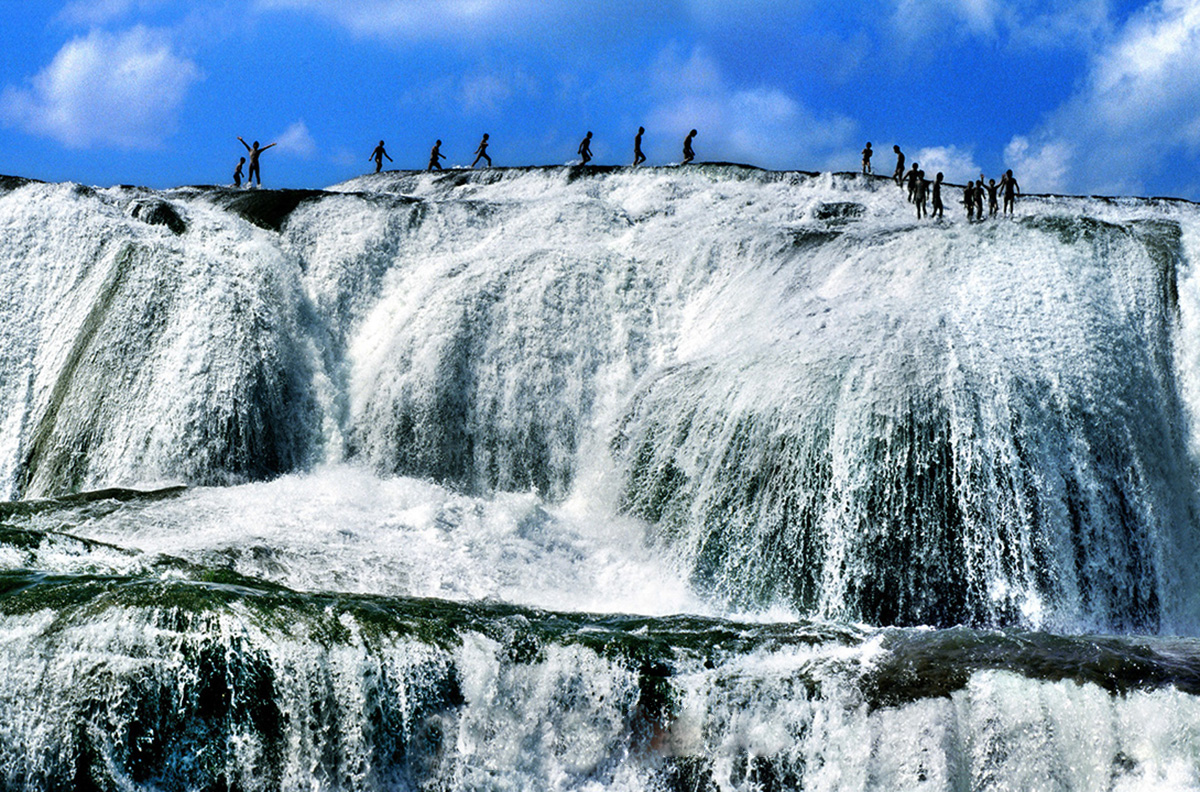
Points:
x=1096, y=96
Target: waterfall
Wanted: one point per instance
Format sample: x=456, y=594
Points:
x=564, y=478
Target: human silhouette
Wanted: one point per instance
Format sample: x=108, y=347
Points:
x=481, y=152
x=866, y=163
x=910, y=179
x=920, y=197
x=378, y=154
x=237, y=172
x=435, y=154
x=969, y=200
x=992, y=187
x=899, y=174
x=638, y=156
x=1009, y=186
x=688, y=154
x=980, y=187
x=252, y=173
x=585, y=148
x=938, y=209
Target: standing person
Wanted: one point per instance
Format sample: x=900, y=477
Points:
x=237, y=172
x=969, y=200
x=866, y=165
x=1008, y=185
x=378, y=154
x=253, y=174
x=937, y=196
x=980, y=188
x=922, y=195
x=585, y=149
x=638, y=156
x=481, y=152
x=435, y=154
x=688, y=154
x=911, y=179
x=991, y=191
x=899, y=174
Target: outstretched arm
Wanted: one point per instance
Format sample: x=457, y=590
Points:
x=244, y=143
x=264, y=148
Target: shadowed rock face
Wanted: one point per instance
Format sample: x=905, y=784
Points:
x=10, y=183
x=157, y=212
x=265, y=208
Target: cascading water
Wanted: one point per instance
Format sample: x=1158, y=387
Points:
x=667, y=479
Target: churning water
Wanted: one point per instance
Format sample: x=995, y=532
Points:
x=563, y=479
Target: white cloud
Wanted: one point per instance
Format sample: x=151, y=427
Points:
x=481, y=92
x=1075, y=24
x=1066, y=23
x=1150, y=75
x=978, y=16
x=761, y=125
x=122, y=89
x=1044, y=166
x=488, y=91
x=417, y=18
x=1138, y=109
x=99, y=12
x=958, y=165
x=699, y=73
x=297, y=141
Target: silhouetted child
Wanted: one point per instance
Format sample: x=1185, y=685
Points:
x=585, y=149
x=237, y=172
x=638, y=156
x=991, y=192
x=435, y=154
x=969, y=200
x=979, y=190
x=688, y=154
x=866, y=163
x=252, y=173
x=1009, y=186
x=378, y=154
x=899, y=174
x=910, y=179
x=938, y=209
x=481, y=152
x=921, y=193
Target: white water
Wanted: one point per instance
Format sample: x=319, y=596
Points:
x=712, y=391
x=343, y=529
x=372, y=712
x=837, y=411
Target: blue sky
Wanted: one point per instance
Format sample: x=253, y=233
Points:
x=1097, y=96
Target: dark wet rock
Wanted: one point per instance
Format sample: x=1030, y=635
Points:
x=839, y=212
x=157, y=212
x=10, y=183
x=265, y=208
